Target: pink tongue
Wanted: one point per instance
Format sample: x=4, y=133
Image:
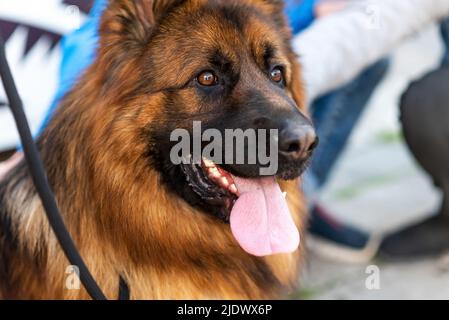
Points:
x=260, y=219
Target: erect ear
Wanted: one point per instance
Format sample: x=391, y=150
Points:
x=131, y=22
x=125, y=29
x=274, y=9
x=274, y=6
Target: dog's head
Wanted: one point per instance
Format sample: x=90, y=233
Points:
x=216, y=64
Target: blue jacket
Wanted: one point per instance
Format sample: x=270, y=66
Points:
x=300, y=13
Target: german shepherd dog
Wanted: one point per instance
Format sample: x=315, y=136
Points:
x=172, y=231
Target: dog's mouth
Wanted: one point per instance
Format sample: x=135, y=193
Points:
x=214, y=185
x=256, y=208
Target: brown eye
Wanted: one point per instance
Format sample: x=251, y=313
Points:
x=276, y=75
x=207, y=79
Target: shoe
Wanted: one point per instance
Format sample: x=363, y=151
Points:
x=337, y=241
x=426, y=239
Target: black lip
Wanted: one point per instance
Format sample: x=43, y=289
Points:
x=293, y=170
x=212, y=195
x=287, y=170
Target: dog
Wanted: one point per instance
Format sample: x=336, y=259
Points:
x=171, y=231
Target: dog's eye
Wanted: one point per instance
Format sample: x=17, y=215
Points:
x=276, y=75
x=207, y=79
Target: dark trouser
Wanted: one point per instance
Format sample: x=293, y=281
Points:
x=445, y=35
x=425, y=121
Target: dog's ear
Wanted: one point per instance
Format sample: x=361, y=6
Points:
x=274, y=9
x=126, y=28
x=275, y=6
x=131, y=22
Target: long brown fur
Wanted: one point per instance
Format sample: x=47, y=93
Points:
x=123, y=219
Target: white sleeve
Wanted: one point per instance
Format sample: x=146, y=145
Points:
x=338, y=47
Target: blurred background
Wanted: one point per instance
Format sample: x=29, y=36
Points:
x=376, y=184
x=32, y=31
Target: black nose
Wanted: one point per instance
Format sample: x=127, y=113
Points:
x=297, y=142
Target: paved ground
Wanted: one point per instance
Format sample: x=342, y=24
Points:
x=377, y=186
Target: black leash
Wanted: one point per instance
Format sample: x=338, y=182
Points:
x=42, y=185
x=123, y=290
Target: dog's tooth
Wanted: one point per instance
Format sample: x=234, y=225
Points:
x=233, y=188
x=215, y=174
x=224, y=181
x=284, y=194
x=208, y=163
x=213, y=170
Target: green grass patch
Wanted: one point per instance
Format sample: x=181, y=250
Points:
x=389, y=137
x=310, y=293
x=353, y=191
